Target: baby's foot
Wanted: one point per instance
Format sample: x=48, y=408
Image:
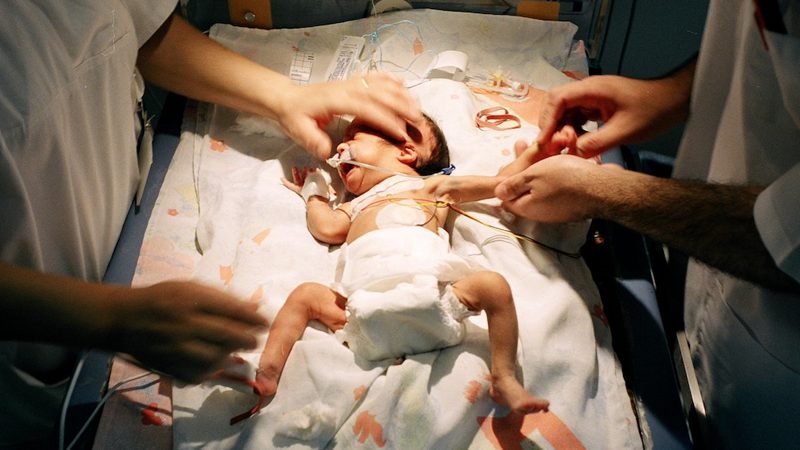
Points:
x=265, y=385
x=267, y=381
x=507, y=391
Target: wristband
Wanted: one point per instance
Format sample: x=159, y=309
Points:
x=316, y=184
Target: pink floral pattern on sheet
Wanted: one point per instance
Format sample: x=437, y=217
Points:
x=511, y=431
x=368, y=427
x=256, y=296
x=159, y=260
x=359, y=392
x=419, y=47
x=475, y=388
x=473, y=391
x=259, y=238
x=225, y=274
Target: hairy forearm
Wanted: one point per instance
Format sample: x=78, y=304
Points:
x=181, y=59
x=39, y=307
x=711, y=222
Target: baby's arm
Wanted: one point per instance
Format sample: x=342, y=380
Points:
x=324, y=223
x=526, y=155
x=461, y=189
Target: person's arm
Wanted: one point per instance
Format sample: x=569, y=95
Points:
x=181, y=59
x=711, y=222
x=183, y=329
x=631, y=110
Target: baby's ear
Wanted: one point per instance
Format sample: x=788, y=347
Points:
x=408, y=155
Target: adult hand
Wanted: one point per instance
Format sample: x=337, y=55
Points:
x=181, y=59
x=558, y=189
x=378, y=99
x=183, y=329
x=631, y=111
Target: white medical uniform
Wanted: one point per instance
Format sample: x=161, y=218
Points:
x=744, y=128
x=68, y=159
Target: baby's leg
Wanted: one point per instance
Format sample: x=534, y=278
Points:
x=490, y=292
x=308, y=301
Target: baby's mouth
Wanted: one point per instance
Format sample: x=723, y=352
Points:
x=345, y=168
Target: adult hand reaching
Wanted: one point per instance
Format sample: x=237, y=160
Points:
x=554, y=190
x=184, y=329
x=380, y=100
x=631, y=110
x=181, y=328
x=183, y=60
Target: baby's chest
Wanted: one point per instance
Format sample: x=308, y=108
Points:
x=399, y=211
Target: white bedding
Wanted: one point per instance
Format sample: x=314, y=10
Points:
x=253, y=242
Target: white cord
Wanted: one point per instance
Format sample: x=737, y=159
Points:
x=111, y=391
x=65, y=405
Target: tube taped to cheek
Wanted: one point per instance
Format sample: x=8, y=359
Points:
x=317, y=183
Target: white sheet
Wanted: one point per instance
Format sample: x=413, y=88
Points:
x=254, y=243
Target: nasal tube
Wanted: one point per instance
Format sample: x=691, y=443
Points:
x=347, y=156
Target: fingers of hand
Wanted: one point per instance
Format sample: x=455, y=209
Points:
x=191, y=361
x=551, y=115
x=574, y=104
x=391, y=92
x=228, y=335
x=296, y=175
x=242, y=314
x=520, y=146
x=294, y=187
x=388, y=105
x=306, y=132
x=512, y=187
x=596, y=142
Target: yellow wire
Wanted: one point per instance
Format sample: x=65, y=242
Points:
x=443, y=204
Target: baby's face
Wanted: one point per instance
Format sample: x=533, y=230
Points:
x=420, y=137
x=370, y=146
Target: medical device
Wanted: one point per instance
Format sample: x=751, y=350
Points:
x=348, y=157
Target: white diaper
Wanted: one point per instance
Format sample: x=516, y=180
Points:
x=399, y=298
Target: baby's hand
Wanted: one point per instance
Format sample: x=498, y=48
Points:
x=310, y=182
x=298, y=178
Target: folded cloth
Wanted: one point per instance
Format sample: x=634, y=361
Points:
x=400, y=302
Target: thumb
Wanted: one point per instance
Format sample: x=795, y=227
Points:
x=318, y=143
x=512, y=187
x=312, y=138
x=596, y=142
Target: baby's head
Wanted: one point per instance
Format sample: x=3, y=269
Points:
x=424, y=153
x=438, y=158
